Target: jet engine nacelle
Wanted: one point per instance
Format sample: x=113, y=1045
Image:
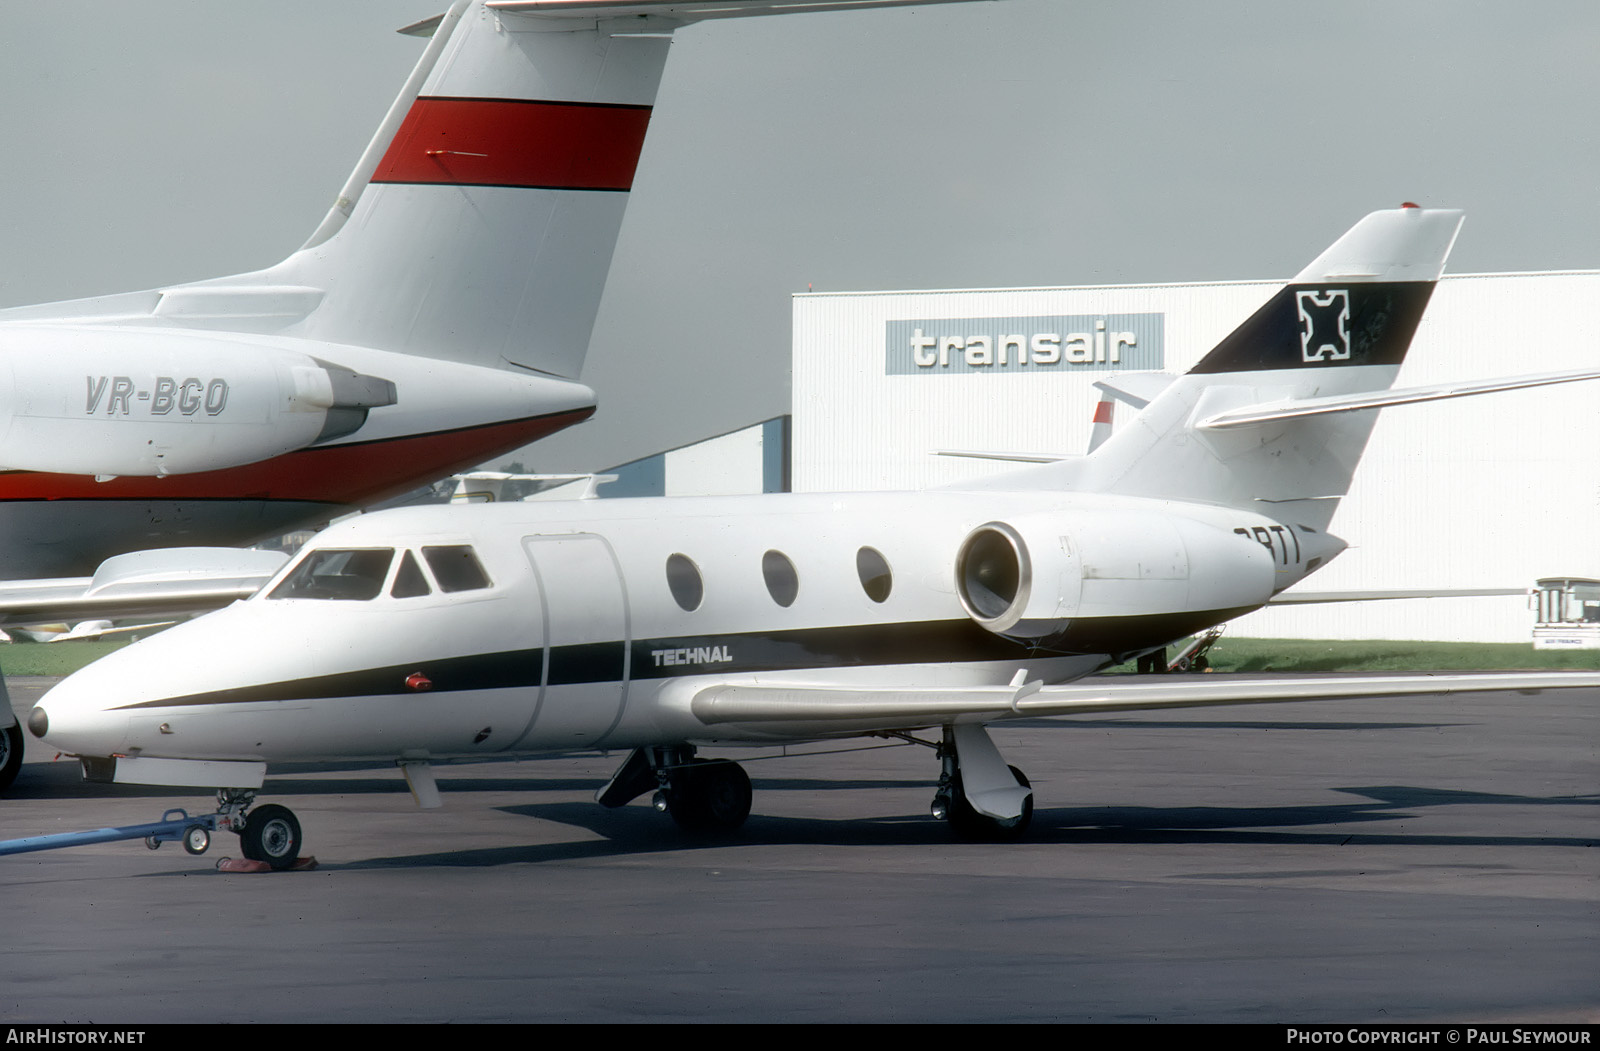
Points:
x=115, y=402
x=1032, y=576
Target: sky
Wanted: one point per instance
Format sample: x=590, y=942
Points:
x=987, y=144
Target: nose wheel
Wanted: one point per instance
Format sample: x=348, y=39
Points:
x=271, y=833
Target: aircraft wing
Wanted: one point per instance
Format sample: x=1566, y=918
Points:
x=1272, y=412
x=787, y=710
x=1292, y=597
x=143, y=584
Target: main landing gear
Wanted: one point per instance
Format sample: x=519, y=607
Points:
x=10, y=740
x=979, y=794
x=705, y=796
x=10, y=753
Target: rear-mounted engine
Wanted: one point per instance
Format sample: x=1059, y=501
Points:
x=1033, y=576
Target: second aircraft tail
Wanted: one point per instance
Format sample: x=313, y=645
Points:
x=479, y=224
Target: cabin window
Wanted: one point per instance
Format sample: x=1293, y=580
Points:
x=783, y=583
x=456, y=568
x=873, y=569
x=353, y=575
x=409, y=581
x=683, y=580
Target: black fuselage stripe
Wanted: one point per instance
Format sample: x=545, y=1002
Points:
x=804, y=649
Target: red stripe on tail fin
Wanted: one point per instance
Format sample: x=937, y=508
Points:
x=511, y=142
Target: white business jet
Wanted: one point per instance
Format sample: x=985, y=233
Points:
x=660, y=625
x=436, y=318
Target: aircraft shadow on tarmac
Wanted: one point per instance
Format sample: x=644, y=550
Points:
x=638, y=830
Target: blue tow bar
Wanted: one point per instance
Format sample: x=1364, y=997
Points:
x=193, y=832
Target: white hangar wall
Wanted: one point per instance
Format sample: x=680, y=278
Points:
x=1492, y=491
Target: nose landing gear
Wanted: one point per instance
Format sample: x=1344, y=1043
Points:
x=272, y=834
x=269, y=833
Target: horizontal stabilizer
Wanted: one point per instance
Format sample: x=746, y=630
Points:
x=821, y=710
x=1272, y=412
x=1010, y=457
x=694, y=10
x=1136, y=388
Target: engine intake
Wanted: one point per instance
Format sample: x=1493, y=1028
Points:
x=994, y=576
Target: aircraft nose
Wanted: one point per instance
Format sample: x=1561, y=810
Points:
x=104, y=708
x=73, y=718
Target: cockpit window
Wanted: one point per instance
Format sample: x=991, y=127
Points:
x=355, y=575
x=409, y=581
x=456, y=568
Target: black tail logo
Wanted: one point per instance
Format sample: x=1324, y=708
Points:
x=1324, y=325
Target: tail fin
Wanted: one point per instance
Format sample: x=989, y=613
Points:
x=479, y=224
x=1104, y=414
x=1338, y=330
x=1356, y=304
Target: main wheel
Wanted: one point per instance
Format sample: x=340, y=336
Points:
x=967, y=823
x=271, y=834
x=709, y=795
x=10, y=755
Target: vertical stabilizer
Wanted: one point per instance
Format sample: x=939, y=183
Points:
x=1341, y=327
x=1357, y=304
x=479, y=225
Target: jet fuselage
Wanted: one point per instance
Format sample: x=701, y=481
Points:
x=535, y=627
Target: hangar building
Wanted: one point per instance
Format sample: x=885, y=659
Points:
x=1483, y=492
